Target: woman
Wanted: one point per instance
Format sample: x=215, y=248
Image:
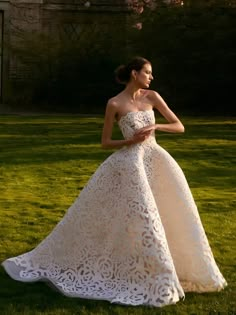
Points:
x=133, y=236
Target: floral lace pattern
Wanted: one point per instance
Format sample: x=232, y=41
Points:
x=133, y=236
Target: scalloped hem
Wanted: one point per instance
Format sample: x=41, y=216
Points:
x=113, y=300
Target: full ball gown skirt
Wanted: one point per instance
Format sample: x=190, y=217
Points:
x=133, y=236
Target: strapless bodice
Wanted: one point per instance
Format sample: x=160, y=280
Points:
x=133, y=121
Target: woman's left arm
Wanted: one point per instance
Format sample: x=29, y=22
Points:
x=174, y=124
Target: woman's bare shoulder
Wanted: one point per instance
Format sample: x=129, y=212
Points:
x=115, y=101
x=113, y=105
x=152, y=94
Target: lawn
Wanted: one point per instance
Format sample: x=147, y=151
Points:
x=45, y=162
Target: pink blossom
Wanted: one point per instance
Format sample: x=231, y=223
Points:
x=138, y=26
x=139, y=9
x=139, y=5
x=87, y=4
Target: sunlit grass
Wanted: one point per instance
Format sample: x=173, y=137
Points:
x=46, y=161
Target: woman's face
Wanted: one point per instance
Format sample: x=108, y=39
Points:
x=144, y=77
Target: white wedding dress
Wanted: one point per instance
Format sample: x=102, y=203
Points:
x=133, y=236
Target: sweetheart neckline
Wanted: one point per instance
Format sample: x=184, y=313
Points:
x=138, y=111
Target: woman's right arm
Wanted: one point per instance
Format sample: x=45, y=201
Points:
x=107, y=142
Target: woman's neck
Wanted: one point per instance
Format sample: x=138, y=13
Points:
x=132, y=92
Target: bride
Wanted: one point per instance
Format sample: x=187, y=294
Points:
x=133, y=235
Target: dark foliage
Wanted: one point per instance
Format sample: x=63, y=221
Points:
x=194, y=57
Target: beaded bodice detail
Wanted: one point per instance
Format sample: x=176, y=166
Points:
x=133, y=121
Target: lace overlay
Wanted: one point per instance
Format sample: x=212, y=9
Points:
x=133, y=236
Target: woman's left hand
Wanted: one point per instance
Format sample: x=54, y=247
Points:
x=146, y=129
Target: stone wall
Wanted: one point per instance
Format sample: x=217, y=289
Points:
x=64, y=20
x=25, y=19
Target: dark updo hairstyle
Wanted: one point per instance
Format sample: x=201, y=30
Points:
x=123, y=72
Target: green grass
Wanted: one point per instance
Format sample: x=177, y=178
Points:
x=46, y=160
